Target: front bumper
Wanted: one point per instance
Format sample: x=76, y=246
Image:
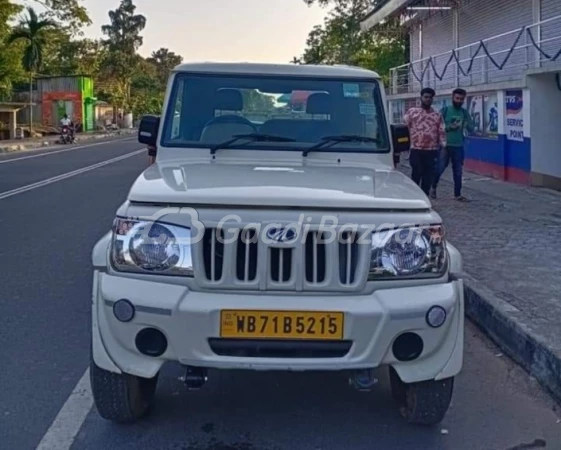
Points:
x=189, y=319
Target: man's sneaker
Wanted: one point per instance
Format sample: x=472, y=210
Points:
x=461, y=198
x=433, y=193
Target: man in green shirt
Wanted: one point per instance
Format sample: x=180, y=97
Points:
x=457, y=120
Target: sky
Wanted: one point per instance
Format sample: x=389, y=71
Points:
x=219, y=30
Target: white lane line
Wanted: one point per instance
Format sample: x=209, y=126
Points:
x=45, y=150
x=67, y=175
x=69, y=420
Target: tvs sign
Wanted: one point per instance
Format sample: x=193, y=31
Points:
x=514, y=125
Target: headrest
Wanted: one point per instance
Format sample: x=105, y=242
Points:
x=319, y=103
x=228, y=100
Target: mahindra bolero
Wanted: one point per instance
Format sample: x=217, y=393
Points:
x=274, y=233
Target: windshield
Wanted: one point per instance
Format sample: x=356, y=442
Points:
x=207, y=110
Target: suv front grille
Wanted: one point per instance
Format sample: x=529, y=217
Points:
x=249, y=263
x=280, y=261
x=315, y=257
x=213, y=254
x=246, y=256
x=348, y=258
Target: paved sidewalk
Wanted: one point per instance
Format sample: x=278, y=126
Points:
x=7, y=146
x=510, y=239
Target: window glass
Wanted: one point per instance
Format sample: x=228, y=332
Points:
x=208, y=109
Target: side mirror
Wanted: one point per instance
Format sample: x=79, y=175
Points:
x=148, y=130
x=400, y=138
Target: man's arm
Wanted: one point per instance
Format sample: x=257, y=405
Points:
x=470, y=126
x=442, y=131
x=443, y=114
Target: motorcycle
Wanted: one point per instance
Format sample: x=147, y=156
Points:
x=66, y=136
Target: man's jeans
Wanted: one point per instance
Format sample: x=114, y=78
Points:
x=422, y=164
x=456, y=156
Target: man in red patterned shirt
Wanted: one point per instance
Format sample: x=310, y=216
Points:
x=427, y=135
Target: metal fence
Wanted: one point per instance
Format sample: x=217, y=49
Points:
x=504, y=57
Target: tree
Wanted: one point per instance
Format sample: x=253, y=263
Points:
x=31, y=30
x=164, y=61
x=123, y=42
x=67, y=56
x=256, y=101
x=11, y=70
x=71, y=14
x=340, y=39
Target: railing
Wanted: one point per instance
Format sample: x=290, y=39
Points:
x=500, y=58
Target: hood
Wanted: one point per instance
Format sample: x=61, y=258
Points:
x=286, y=185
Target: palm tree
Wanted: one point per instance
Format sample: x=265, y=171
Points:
x=31, y=29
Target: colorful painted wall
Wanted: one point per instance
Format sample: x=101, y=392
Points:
x=500, y=145
x=67, y=95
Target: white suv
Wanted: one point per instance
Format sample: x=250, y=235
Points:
x=267, y=239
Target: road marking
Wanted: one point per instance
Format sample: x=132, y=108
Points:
x=67, y=175
x=71, y=417
x=45, y=151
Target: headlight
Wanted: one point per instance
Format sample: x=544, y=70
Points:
x=413, y=252
x=151, y=247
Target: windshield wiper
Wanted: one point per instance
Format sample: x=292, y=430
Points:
x=332, y=140
x=251, y=137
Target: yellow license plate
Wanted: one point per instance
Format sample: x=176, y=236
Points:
x=282, y=325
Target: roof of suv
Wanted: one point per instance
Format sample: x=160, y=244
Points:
x=307, y=70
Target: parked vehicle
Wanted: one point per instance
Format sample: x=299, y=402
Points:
x=291, y=245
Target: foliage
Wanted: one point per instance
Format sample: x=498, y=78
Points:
x=340, y=39
x=147, y=103
x=70, y=13
x=67, y=56
x=124, y=40
x=164, y=61
x=11, y=70
x=31, y=30
x=50, y=44
x=256, y=101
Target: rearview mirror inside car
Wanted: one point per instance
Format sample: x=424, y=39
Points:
x=148, y=130
x=400, y=138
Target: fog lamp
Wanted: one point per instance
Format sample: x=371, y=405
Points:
x=123, y=310
x=436, y=316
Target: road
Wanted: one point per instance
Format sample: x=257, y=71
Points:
x=54, y=206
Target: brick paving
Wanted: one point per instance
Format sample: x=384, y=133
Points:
x=510, y=239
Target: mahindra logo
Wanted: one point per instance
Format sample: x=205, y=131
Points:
x=281, y=235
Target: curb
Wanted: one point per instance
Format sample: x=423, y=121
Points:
x=46, y=143
x=503, y=323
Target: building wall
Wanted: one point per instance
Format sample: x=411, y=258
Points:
x=550, y=9
x=477, y=20
x=482, y=19
x=545, y=110
x=436, y=36
x=71, y=102
x=521, y=145
x=58, y=84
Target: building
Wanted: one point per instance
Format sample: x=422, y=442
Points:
x=507, y=55
x=8, y=123
x=56, y=96
x=71, y=95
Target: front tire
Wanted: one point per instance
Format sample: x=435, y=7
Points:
x=423, y=403
x=121, y=398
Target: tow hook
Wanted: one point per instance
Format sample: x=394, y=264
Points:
x=363, y=380
x=195, y=377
